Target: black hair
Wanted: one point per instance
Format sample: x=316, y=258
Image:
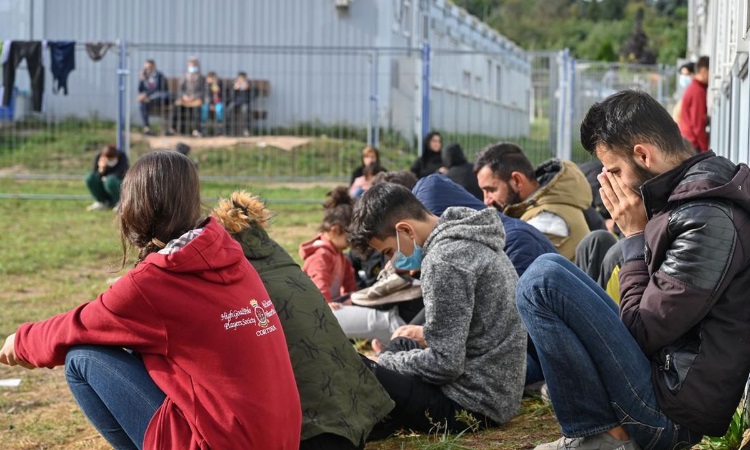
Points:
x=627, y=118
x=403, y=177
x=503, y=159
x=702, y=62
x=378, y=211
x=426, y=150
x=182, y=148
x=242, y=74
x=690, y=66
x=337, y=209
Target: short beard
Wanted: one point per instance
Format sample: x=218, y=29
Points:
x=642, y=175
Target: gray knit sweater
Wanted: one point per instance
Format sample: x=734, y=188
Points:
x=477, y=343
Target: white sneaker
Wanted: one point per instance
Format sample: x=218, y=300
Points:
x=603, y=441
x=97, y=206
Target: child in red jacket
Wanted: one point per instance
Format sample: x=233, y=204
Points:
x=325, y=261
x=207, y=365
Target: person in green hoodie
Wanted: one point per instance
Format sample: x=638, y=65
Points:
x=341, y=399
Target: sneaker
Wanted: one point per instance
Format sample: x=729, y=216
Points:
x=601, y=441
x=538, y=389
x=197, y=133
x=388, y=282
x=97, y=206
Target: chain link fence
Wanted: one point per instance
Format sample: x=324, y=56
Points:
x=314, y=108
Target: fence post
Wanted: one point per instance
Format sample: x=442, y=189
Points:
x=425, y=90
x=564, y=105
x=373, y=132
x=122, y=72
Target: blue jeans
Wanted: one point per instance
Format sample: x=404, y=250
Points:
x=114, y=391
x=597, y=375
x=218, y=109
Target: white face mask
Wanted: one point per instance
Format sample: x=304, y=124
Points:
x=112, y=162
x=684, y=81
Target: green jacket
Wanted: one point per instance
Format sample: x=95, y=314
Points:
x=339, y=394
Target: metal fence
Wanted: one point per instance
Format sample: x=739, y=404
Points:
x=320, y=106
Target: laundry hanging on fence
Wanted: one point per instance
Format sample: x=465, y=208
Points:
x=31, y=51
x=97, y=50
x=62, y=62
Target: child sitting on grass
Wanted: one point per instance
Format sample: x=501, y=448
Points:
x=333, y=274
x=325, y=261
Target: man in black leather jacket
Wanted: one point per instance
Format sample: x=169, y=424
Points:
x=673, y=366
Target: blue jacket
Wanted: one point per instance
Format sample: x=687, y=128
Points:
x=523, y=242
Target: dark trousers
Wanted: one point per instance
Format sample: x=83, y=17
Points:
x=415, y=401
x=238, y=118
x=598, y=254
x=145, y=107
x=32, y=52
x=190, y=115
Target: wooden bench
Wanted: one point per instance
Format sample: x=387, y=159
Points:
x=258, y=109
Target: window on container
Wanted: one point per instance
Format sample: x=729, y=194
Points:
x=406, y=17
x=489, y=77
x=466, y=81
x=498, y=84
x=478, y=86
x=425, y=28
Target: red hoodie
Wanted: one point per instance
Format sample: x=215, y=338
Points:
x=693, y=115
x=209, y=337
x=329, y=268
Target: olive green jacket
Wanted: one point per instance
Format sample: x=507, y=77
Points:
x=339, y=394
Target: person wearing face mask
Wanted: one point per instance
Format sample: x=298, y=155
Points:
x=475, y=358
x=189, y=103
x=687, y=73
x=104, y=180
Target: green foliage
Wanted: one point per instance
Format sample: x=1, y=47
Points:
x=732, y=439
x=593, y=30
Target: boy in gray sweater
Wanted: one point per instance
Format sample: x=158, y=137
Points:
x=476, y=355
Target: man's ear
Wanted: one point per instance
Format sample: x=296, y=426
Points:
x=406, y=229
x=516, y=181
x=644, y=155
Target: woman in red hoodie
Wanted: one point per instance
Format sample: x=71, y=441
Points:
x=206, y=365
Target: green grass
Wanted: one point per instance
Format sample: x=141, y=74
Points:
x=68, y=148
x=55, y=255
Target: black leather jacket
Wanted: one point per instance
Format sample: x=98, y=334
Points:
x=685, y=284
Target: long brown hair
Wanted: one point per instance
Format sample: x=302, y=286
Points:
x=160, y=200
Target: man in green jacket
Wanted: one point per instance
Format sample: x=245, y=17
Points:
x=341, y=398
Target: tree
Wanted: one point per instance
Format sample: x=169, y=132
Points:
x=636, y=49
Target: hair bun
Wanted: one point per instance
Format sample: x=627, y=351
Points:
x=338, y=196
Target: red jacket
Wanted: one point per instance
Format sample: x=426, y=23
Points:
x=209, y=337
x=330, y=269
x=693, y=115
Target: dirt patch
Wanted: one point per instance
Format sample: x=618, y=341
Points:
x=287, y=143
